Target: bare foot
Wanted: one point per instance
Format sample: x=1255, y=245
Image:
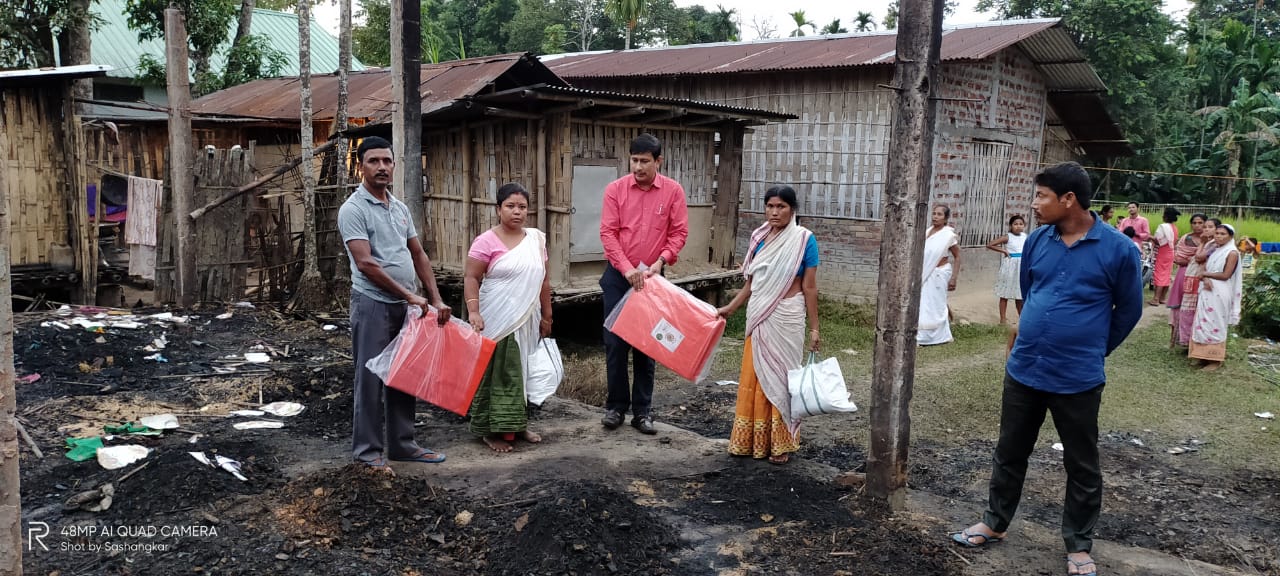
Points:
x=529, y=436
x=780, y=459
x=1080, y=563
x=496, y=443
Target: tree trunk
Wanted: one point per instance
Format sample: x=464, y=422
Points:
x=341, y=267
x=910, y=178
x=10, y=500
x=311, y=292
x=244, y=28
x=181, y=153
x=75, y=45
x=406, y=123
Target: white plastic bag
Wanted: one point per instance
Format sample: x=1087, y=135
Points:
x=546, y=371
x=818, y=388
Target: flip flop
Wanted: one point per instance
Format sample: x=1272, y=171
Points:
x=422, y=456
x=1080, y=565
x=965, y=538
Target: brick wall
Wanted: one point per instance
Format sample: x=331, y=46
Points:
x=849, y=250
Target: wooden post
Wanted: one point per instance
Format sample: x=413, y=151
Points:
x=311, y=258
x=728, y=190
x=406, y=121
x=10, y=499
x=181, y=154
x=910, y=177
x=342, y=267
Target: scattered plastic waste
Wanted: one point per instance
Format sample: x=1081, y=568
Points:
x=115, y=457
x=226, y=316
x=1058, y=446
x=157, y=345
x=160, y=421
x=203, y=459
x=55, y=324
x=28, y=379
x=257, y=357
x=726, y=382
x=1137, y=442
x=1265, y=415
x=195, y=438
x=258, y=425
x=81, y=449
x=131, y=428
x=169, y=317
x=248, y=413
x=231, y=466
x=127, y=325
x=283, y=409
x=328, y=327
x=248, y=305
x=157, y=357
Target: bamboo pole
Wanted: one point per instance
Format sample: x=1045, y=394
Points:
x=278, y=172
x=181, y=156
x=910, y=175
x=10, y=500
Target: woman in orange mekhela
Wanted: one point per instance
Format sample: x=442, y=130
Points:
x=781, y=288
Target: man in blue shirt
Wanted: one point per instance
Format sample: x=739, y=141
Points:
x=1082, y=287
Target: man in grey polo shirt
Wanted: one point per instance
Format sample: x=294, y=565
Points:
x=387, y=262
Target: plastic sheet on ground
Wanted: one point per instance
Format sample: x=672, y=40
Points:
x=115, y=457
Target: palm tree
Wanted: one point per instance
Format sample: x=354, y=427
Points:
x=834, y=28
x=628, y=12
x=1248, y=121
x=801, y=21
x=864, y=22
x=724, y=24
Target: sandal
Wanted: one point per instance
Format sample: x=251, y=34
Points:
x=377, y=465
x=1080, y=565
x=425, y=455
x=965, y=538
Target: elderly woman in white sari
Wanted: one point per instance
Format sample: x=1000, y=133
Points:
x=1219, y=305
x=508, y=298
x=781, y=271
x=939, y=274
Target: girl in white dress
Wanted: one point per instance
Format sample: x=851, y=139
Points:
x=1007, y=282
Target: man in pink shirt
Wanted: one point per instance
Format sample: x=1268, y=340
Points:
x=1141, y=227
x=644, y=220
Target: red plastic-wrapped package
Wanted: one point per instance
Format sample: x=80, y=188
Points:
x=670, y=325
x=441, y=365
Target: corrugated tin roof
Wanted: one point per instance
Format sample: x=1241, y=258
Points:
x=115, y=44
x=620, y=99
x=57, y=72
x=1044, y=40
x=370, y=94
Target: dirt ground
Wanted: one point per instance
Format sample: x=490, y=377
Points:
x=586, y=501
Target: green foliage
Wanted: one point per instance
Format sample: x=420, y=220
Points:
x=553, y=39
x=833, y=28
x=1260, y=310
x=257, y=59
x=801, y=22
x=28, y=29
x=371, y=41
x=864, y=22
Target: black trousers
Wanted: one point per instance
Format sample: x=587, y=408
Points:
x=1076, y=418
x=622, y=394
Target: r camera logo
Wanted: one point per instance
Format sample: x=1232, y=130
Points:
x=36, y=533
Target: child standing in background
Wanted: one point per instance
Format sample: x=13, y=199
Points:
x=1007, y=282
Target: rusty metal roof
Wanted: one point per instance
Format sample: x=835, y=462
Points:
x=673, y=110
x=1046, y=42
x=370, y=95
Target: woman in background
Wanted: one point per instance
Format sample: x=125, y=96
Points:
x=1183, y=255
x=1165, y=238
x=941, y=269
x=1218, y=308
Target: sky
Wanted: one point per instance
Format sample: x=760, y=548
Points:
x=821, y=12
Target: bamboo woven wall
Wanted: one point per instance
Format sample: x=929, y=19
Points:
x=464, y=167
x=36, y=183
x=834, y=154
x=222, y=262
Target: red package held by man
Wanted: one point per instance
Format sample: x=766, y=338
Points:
x=670, y=325
x=442, y=365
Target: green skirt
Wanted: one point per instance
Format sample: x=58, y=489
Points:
x=499, y=404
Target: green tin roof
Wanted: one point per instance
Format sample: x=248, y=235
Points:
x=115, y=44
